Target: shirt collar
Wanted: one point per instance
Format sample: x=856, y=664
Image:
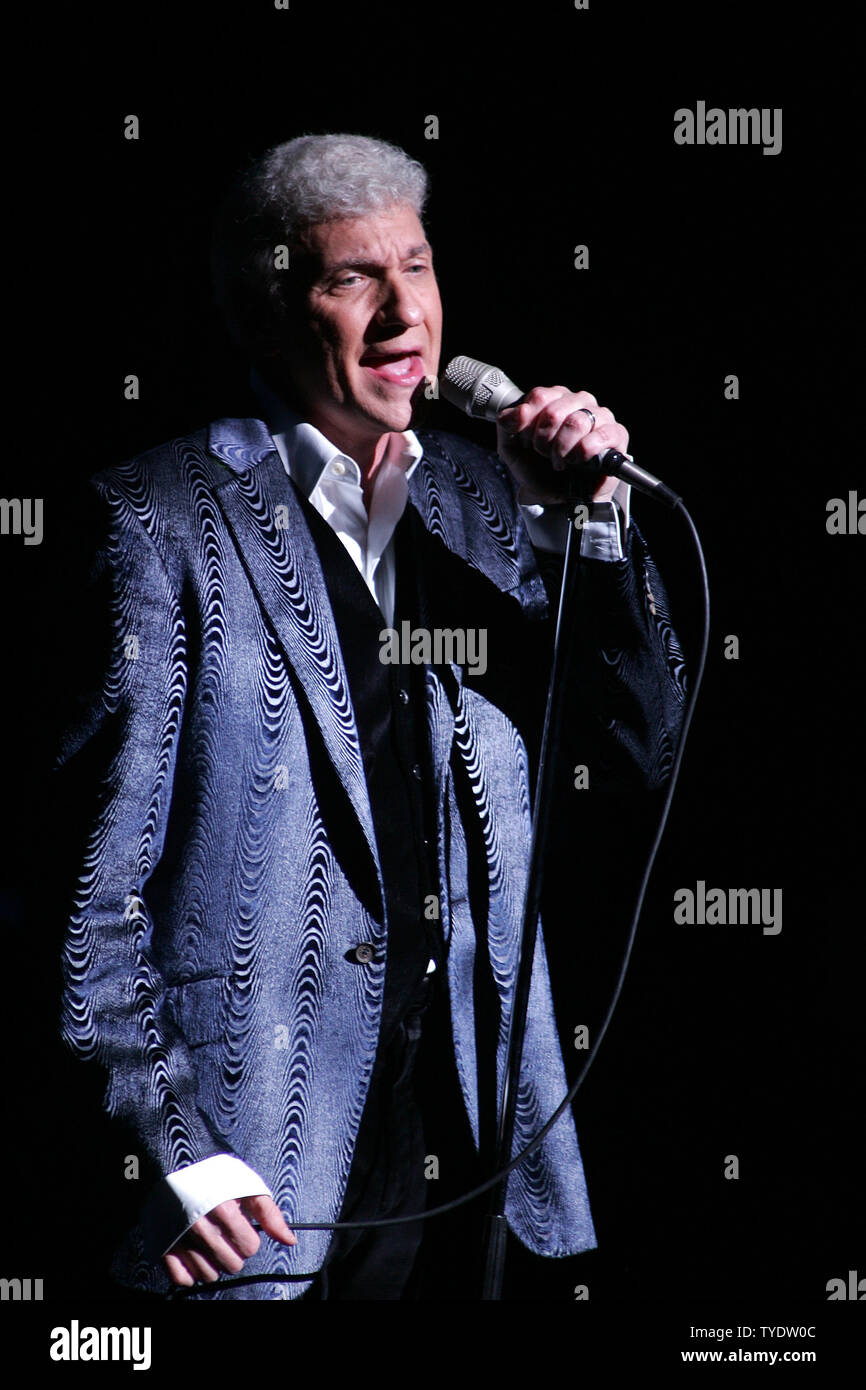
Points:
x=306, y=453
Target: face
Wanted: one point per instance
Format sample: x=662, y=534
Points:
x=368, y=329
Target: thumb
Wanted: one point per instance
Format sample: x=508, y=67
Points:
x=264, y=1210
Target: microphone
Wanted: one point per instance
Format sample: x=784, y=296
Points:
x=482, y=391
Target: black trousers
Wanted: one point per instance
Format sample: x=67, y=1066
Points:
x=414, y=1123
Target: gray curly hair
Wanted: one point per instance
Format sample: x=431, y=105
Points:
x=290, y=188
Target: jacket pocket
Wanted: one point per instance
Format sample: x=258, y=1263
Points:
x=199, y=1009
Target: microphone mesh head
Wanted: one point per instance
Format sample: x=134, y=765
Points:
x=473, y=383
x=462, y=371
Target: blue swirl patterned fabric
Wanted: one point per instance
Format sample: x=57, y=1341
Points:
x=231, y=868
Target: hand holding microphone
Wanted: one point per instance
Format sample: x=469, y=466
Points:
x=548, y=433
x=551, y=430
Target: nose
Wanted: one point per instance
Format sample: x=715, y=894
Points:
x=398, y=306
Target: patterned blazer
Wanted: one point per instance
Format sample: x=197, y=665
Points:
x=231, y=866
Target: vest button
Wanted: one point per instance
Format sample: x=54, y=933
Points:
x=416, y=771
x=364, y=953
x=403, y=696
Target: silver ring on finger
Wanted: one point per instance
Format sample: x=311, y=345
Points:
x=584, y=411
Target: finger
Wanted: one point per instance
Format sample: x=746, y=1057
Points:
x=178, y=1271
x=200, y=1267
x=517, y=418
x=209, y=1240
x=537, y=420
x=579, y=423
x=235, y=1228
x=270, y=1218
x=599, y=438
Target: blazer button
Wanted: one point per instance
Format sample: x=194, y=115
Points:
x=365, y=952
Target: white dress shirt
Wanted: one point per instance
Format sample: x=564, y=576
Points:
x=333, y=484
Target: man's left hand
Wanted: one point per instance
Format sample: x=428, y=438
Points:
x=551, y=432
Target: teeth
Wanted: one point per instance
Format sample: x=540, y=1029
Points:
x=402, y=366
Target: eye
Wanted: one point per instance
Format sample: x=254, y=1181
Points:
x=347, y=279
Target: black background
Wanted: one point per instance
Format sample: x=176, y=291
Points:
x=555, y=129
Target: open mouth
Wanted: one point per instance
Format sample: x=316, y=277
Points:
x=399, y=368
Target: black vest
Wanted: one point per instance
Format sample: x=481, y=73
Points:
x=389, y=705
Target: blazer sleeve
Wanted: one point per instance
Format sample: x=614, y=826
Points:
x=626, y=681
x=112, y=779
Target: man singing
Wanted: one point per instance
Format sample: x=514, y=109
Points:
x=294, y=931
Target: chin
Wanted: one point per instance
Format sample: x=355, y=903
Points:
x=396, y=416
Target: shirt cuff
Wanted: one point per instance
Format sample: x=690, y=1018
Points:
x=190, y=1193
x=600, y=537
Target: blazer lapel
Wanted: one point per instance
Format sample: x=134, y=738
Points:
x=442, y=683
x=265, y=517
